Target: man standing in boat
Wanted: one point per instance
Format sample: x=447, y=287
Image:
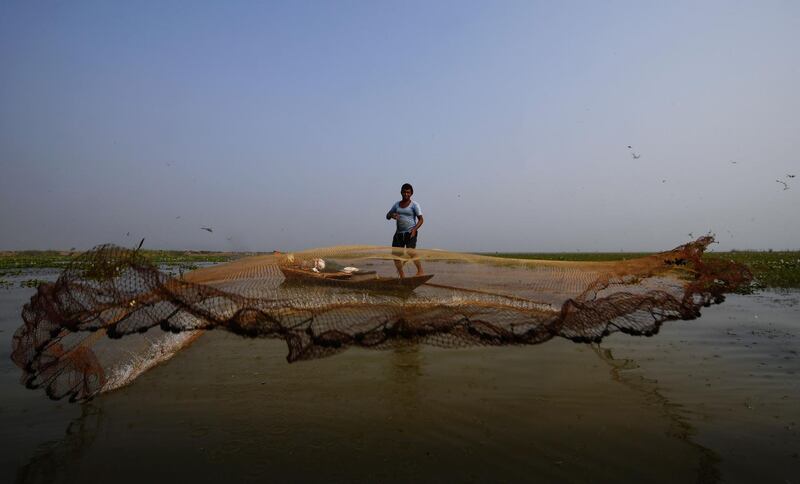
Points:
x=408, y=215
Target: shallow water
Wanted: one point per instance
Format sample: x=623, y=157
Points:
x=711, y=399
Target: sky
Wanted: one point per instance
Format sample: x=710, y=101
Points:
x=291, y=125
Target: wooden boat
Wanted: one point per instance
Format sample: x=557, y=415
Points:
x=368, y=280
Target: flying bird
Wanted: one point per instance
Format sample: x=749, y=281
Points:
x=790, y=176
x=176, y=218
x=127, y=234
x=636, y=156
x=207, y=229
x=785, y=185
x=140, y=244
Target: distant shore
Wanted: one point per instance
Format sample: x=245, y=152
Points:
x=57, y=259
x=772, y=269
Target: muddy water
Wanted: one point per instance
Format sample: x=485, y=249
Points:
x=735, y=376
x=712, y=399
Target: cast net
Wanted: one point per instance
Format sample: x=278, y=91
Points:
x=111, y=314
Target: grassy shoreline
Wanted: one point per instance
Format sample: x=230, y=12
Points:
x=15, y=263
x=53, y=259
x=772, y=269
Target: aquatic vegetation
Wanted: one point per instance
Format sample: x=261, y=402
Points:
x=33, y=259
x=771, y=269
x=31, y=283
x=779, y=269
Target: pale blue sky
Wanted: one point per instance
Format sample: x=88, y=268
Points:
x=291, y=125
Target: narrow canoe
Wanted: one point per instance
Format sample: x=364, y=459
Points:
x=369, y=281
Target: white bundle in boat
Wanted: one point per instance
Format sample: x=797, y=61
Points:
x=319, y=264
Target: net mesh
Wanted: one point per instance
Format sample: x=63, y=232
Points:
x=111, y=315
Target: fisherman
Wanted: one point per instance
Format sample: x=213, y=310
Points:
x=408, y=215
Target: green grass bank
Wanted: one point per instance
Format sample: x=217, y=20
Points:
x=32, y=259
x=776, y=270
x=779, y=270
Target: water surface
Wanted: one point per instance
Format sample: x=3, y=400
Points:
x=711, y=399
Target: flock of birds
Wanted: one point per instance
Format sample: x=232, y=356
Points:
x=782, y=182
x=636, y=156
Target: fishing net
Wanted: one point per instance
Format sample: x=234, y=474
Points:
x=112, y=314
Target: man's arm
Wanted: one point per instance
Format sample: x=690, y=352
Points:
x=420, y=221
x=391, y=213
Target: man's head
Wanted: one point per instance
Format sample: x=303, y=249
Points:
x=406, y=191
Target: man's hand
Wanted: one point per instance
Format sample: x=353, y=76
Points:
x=413, y=233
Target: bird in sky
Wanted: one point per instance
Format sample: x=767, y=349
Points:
x=207, y=229
x=636, y=156
x=785, y=185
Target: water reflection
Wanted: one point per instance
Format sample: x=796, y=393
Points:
x=404, y=372
x=54, y=461
x=680, y=428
